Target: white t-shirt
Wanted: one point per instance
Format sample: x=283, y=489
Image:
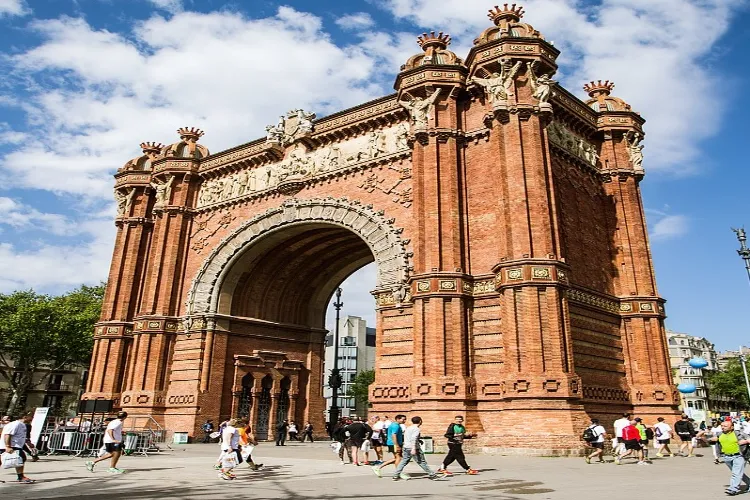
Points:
x=599, y=431
x=116, y=427
x=377, y=428
x=620, y=424
x=411, y=436
x=716, y=431
x=17, y=431
x=292, y=428
x=230, y=439
x=387, y=423
x=664, y=429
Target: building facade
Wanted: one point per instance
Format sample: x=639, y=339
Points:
x=504, y=215
x=683, y=348
x=60, y=390
x=356, y=354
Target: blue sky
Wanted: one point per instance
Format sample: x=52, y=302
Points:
x=83, y=82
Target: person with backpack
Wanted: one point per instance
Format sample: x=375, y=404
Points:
x=684, y=428
x=456, y=434
x=208, y=429
x=594, y=436
x=734, y=451
x=647, y=434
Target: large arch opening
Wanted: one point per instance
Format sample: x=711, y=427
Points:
x=266, y=291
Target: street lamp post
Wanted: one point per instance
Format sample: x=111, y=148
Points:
x=334, y=379
x=744, y=251
x=744, y=370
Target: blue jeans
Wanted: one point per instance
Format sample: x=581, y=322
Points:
x=737, y=465
x=418, y=457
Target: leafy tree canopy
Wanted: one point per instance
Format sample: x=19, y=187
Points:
x=730, y=382
x=360, y=387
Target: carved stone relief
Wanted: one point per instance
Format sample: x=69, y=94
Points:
x=301, y=164
x=561, y=136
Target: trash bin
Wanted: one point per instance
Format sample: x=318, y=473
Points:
x=427, y=444
x=131, y=442
x=180, y=438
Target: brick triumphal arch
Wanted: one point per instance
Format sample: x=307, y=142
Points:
x=504, y=217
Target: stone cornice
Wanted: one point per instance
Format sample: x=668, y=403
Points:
x=512, y=47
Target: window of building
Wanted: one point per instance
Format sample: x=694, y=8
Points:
x=349, y=341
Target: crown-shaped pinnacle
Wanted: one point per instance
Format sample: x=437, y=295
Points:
x=151, y=148
x=599, y=88
x=190, y=134
x=440, y=41
x=507, y=13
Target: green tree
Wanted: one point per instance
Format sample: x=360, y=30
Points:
x=41, y=332
x=360, y=387
x=730, y=382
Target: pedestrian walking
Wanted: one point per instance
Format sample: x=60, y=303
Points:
x=292, y=431
x=685, y=430
x=631, y=439
x=231, y=455
x=281, y=431
x=112, y=444
x=456, y=434
x=733, y=450
x=14, y=438
x=359, y=432
x=340, y=436
x=663, y=433
x=647, y=434
x=715, y=431
x=619, y=425
x=394, y=439
x=208, y=429
x=307, y=432
x=376, y=438
x=248, y=442
x=413, y=450
x=594, y=436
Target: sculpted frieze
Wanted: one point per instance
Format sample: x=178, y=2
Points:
x=301, y=164
x=574, y=144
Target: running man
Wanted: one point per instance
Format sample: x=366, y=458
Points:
x=394, y=439
x=113, y=444
x=598, y=434
x=456, y=434
x=663, y=432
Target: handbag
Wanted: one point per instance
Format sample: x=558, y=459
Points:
x=247, y=450
x=11, y=460
x=229, y=459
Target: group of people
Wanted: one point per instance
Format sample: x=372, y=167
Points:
x=404, y=444
x=286, y=428
x=729, y=439
x=237, y=444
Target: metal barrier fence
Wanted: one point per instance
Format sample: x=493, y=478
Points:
x=88, y=444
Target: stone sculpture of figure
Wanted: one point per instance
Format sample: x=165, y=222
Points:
x=376, y=144
x=240, y=183
x=420, y=108
x=635, y=149
x=499, y=86
x=402, y=136
x=275, y=133
x=163, y=191
x=305, y=121
x=124, y=201
x=541, y=86
x=591, y=154
x=270, y=176
x=216, y=190
x=251, y=182
x=227, y=187
x=331, y=160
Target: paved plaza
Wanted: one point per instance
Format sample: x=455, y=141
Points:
x=312, y=471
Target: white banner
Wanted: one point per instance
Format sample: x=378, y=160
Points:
x=37, y=425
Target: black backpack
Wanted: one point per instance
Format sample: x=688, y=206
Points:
x=649, y=433
x=589, y=435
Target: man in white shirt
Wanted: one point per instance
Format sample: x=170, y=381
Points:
x=376, y=439
x=230, y=445
x=412, y=449
x=620, y=424
x=598, y=443
x=663, y=433
x=112, y=444
x=14, y=438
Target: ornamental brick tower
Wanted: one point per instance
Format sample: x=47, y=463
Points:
x=514, y=276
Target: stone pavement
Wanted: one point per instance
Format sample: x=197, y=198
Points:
x=312, y=471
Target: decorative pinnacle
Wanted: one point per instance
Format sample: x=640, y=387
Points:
x=439, y=41
x=190, y=134
x=151, y=148
x=512, y=13
x=599, y=88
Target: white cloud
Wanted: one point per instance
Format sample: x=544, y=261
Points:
x=168, y=5
x=658, y=53
x=22, y=217
x=356, y=21
x=670, y=227
x=356, y=296
x=13, y=8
